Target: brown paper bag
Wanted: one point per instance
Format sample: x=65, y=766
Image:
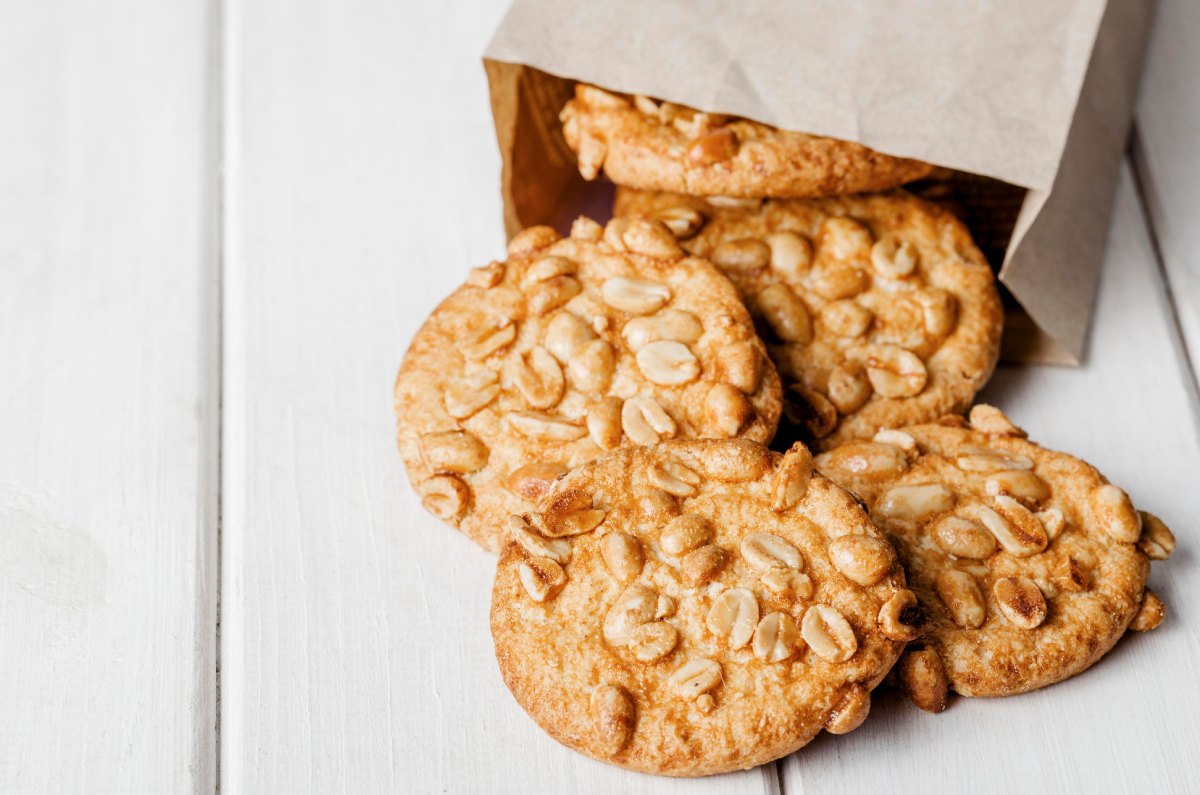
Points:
x=1028, y=101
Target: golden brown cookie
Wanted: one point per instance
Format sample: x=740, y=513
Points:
x=1028, y=564
x=652, y=145
x=571, y=347
x=697, y=607
x=878, y=310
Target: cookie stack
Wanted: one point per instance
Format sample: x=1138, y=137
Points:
x=673, y=596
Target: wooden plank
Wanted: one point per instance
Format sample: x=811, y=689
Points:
x=1167, y=155
x=1126, y=724
x=108, y=344
x=356, y=654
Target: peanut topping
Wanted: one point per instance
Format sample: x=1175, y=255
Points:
x=604, y=423
x=651, y=642
x=1020, y=601
x=445, y=496
x=1018, y=531
x=636, y=296
x=766, y=551
x=846, y=318
x=645, y=422
x=552, y=293
x=989, y=419
x=673, y=478
x=962, y=597
x=792, y=477
x=591, y=366
x=674, y=325
x=556, y=549
x=893, y=371
x=696, y=677
x=622, y=555
x=828, y=634
x=684, y=222
x=834, y=282
x=894, y=258
x=923, y=679
x=850, y=711
x=453, y=451
x=1112, y=510
x=733, y=617
x=701, y=565
x=728, y=409
x=569, y=513
x=685, y=533
x=791, y=254
x=649, y=238
x=776, y=638
x=788, y=583
x=565, y=333
x=636, y=606
x=1022, y=485
x=541, y=577
x=861, y=559
x=963, y=538
x=785, y=313
x=538, y=378
x=613, y=716
x=746, y=254
x=915, y=503
x=900, y=617
x=668, y=362
x=1151, y=613
x=1157, y=541
x=874, y=459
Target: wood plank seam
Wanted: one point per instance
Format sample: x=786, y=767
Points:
x=1147, y=198
x=215, y=310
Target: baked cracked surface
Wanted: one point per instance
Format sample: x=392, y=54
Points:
x=573, y=346
x=697, y=607
x=1027, y=563
x=878, y=310
x=652, y=145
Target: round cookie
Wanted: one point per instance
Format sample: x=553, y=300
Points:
x=571, y=347
x=878, y=310
x=725, y=605
x=643, y=143
x=1027, y=563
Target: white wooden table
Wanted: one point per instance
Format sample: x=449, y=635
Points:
x=219, y=227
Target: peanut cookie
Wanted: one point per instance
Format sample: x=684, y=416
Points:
x=1027, y=563
x=878, y=310
x=654, y=145
x=697, y=607
x=571, y=347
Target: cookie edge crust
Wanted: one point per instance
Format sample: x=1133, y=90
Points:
x=526, y=689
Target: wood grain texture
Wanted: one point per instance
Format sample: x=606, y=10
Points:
x=1167, y=154
x=1127, y=723
x=356, y=654
x=108, y=403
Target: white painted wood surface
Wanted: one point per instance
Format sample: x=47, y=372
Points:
x=1167, y=155
x=108, y=402
x=360, y=182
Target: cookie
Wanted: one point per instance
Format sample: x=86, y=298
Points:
x=571, y=347
x=722, y=605
x=643, y=143
x=878, y=309
x=1027, y=563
